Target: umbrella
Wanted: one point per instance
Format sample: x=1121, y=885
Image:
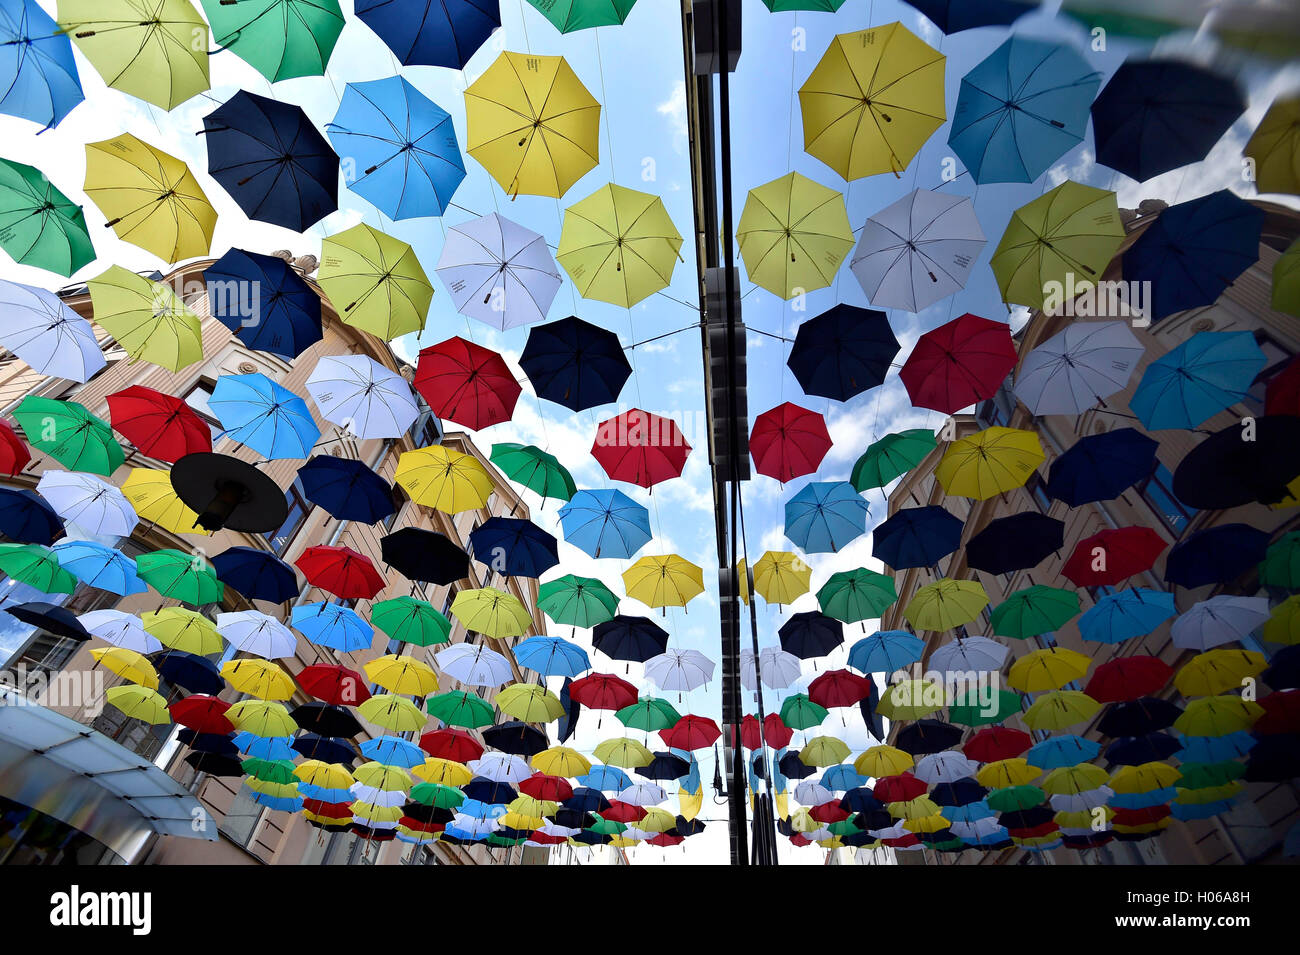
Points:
x=341, y=571
x=1194, y=251
x=45, y=616
x=444, y=34
x=1017, y=542
x=139, y=703
x=190, y=672
x=149, y=197
x=272, y=161
x=978, y=708
x=492, y=612
x=1112, y=555
x=256, y=574
x=825, y=516
x=517, y=738
x=968, y=655
x=1286, y=281
x=1021, y=109
x=836, y=688
x=1156, y=115
x=603, y=691
x=842, y=352
x=92, y=504
x=375, y=282
x=916, y=537
x=121, y=630
x=1138, y=717
x=852, y=596
x=954, y=16
x=811, y=634
x=37, y=567
x=781, y=577
x=619, y=245
x=411, y=621
x=160, y=425
x=872, y=101
x=98, y=566
x=927, y=736
x=259, y=678
x=1281, y=564
x=961, y=362
x=823, y=751
x=70, y=434
x=788, y=441
x=183, y=630
x=419, y=554
x=264, y=301
x=989, y=462
x=1127, y=678
x=1251, y=461
x=598, y=778
x=183, y=576
x=946, y=604
x=466, y=383
x=146, y=318
x=1048, y=669
x=334, y=683
x=886, y=651
x=14, y=455
x=498, y=272
x=649, y=714
x=347, y=489
x=444, y=479
x=793, y=234
x=668, y=581
x=1077, y=368
x=281, y=39
x=39, y=225
x=1215, y=555
x=1220, y=619
x=1073, y=230
x=332, y=625
x=1100, y=467
x=577, y=601
x=1273, y=147
x=575, y=363
x=536, y=470
x=1206, y=374
x=394, y=713
x=263, y=415
x=157, y=52
x=459, y=709
x=552, y=656
x=605, y=523
x=692, y=732
x=911, y=699
x=27, y=517
x=679, y=670
x=1283, y=626
x=570, y=15
x=918, y=251
x=37, y=70
x=514, y=547
x=640, y=448
x=402, y=674
x=1034, y=611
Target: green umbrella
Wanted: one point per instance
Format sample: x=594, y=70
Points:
x=411, y=621
x=577, y=601
x=1286, y=281
x=892, y=456
x=570, y=15
x=1281, y=564
x=39, y=225
x=607, y=827
x=461, y=708
x=854, y=595
x=1015, y=798
x=534, y=469
x=845, y=827
x=37, y=567
x=800, y=713
x=437, y=795
x=69, y=433
x=977, y=713
x=1209, y=775
x=505, y=842
x=185, y=577
x=1034, y=610
x=279, y=771
x=649, y=714
x=280, y=39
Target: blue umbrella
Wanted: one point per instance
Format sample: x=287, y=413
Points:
x=486, y=798
x=1215, y=555
x=825, y=516
x=272, y=161
x=1143, y=800
x=811, y=634
x=278, y=803
x=431, y=32
x=1022, y=109
x=256, y=574
x=265, y=747
x=514, y=547
x=1205, y=810
x=1126, y=614
x=586, y=799
x=1156, y=115
x=968, y=812
x=552, y=656
x=27, y=517
x=347, y=489
x=1136, y=750
x=917, y=537
x=959, y=792
x=328, y=749
x=325, y=795
x=264, y=301
x=1016, y=542
x=842, y=352
x=265, y=416
x=575, y=363
x=1204, y=375
x=859, y=799
x=1283, y=671
x=1195, y=250
x=189, y=671
x=633, y=639
x=1058, y=751
x=842, y=778
x=38, y=75
x=1102, y=466
x=333, y=625
x=605, y=778
x=393, y=751
x=886, y=651
x=1216, y=749
x=98, y=566
x=401, y=147
x=605, y=523
x=954, y=16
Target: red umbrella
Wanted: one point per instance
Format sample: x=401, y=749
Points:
x=665, y=840
x=203, y=714
x=341, y=571
x=997, y=742
x=899, y=788
x=959, y=363
x=546, y=839
x=161, y=426
x=788, y=441
x=799, y=839
x=456, y=745
x=902, y=842
x=1282, y=394
x=829, y=812
x=839, y=688
x=775, y=733
x=1113, y=555
x=623, y=812
x=331, y=810
x=14, y=455
x=1127, y=678
x=1034, y=832
x=420, y=826
x=1281, y=713
x=334, y=683
x=466, y=383
x=640, y=448
x=602, y=691
x=541, y=786
x=1141, y=817
x=691, y=732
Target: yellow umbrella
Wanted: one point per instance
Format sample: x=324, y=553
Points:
x=945, y=604
x=742, y=580
x=521, y=821
x=1218, y=716
x=261, y=718
x=383, y=776
x=1082, y=819
x=139, y=703
x=624, y=752
x=823, y=751
x=917, y=808
x=668, y=581
x=872, y=101
x=445, y=771
x=444, y=479
x=491, y=611
x=532, y=124
x=802, y=821
x=912, y=700
x=619, y=245
x=1217, y=671
x=369, y=812
x=1199, y=797
x=1008, y=772
x=1048, y=669
x=402, y=674
x=561, y=761
x=933, y=823
x=151, y=494
x=394, y=713
x=1275, y=147
x=1283, y=626
x=793, y=235
x=375, y=282
x=314, y=772
x=1144, y=778
x=182, y=629
x=528, y=806
x=1059, y=709
x=268, y=788
x=146, y=318
x=260, y=678
x=883, y=761
x=128, y=664
x=989, y=462
x=781, y=577
x=532, y=704
x=656, y=820
x=834, y=842
x=1072, y=780
x=150, y=198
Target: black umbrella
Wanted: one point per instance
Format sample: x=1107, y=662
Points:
x=1014, y=543
x=688, y=827
x=423, y=555
x=427, y=814
x=215, y=764
x=189, y=671
x=227, y=492
x=327, y=750
x=575, y=363
x=928, y=736
x=1146, y=714
x=574, y=818
x=52, y=619
x=489, y=790
x=633, y=639
x=792, y=767
x=1274, y=759
x=1215, y=555
x=1136, y=750
x=587, y=837
x=213, y=743
x=811, y=634
x=665, y=766
x=1252, y=461
x=516, y=738
x=843, y=352
x=873, y=819
x=1283, y=672
x=326, y=719
x=1027, y=818
x=959, y=792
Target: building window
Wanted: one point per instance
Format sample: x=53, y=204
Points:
x=399, y=502
x=1037, y=489
x=1157, y=491
x=427, y=429
x=298, y=509
x=198, y=399
x=241, y=819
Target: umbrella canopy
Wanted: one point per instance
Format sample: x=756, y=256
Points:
x=122, y=630
x=535, y=469
x=811, y=634
x=256, y=574
x=186, y=577
x=1034, y=611
x=37, y=69
x=989, y=462
x=70, y=434
x=147, y=318
x=1242, y=463
x=788, y=441
x=885, y=651
x=375, y=282
x=411, y=621
x=917, y=537
x=514, y=546
x=263, y=415
x=552, y=656
x=1129, y=613
x=53, y=339
x=668, y=581
x=466, y=383
x=775, y=667
x=155, y=500
x=954, y=16
x=162, y=426
x=332, y=625
x=604, y=691
x=459, y=709
x=281, y=39
x=825, y=516
x=1017, y=542
x=424, y=32
x=959, y=363
x=1273, y=147
x=1112, y=555
x=946, y=604
x=1127, y=678
x=1216, y=555
x=1221, y=619
x=892, y=83
x=1048, y=669
x=37, y=566
x=340, y=571
x=419, y=554
x=605, y=523
x=492, y=612
x=793, y=235
x=577, y=601
x=575, y=363
x=498, y=272
x=264, y=301
x=1100, y=467
x=679, y=670
x=619, y=245
x=1207, y=373
x=1077, y=368
x=640, y=448
x=39, y=225
x=781, y=577
x=14, y=455
x=26, y=516
x=570, y=15
x=93, y=505
x=842, y=352
x=445, y=479
x=362, y=396
x=346, y=489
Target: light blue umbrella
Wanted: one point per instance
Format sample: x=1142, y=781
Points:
x=605, y=523
x=1126, y=614
x=1058, y=751
x=1142, y=800
x=98, y=566
x=824, y=516
x=971, y=812
x=402, y=146
x=886, y=651
x=1215, y=749
x=552, y=656
x=265, y=747
x=265, y=416
x=1201, y=377
x=842, y=778
x=38, y=76
x=393, y=751
x=323, y=794
x=282, y=803
x=605, y=778
x=1207, y=810
x=334, y=626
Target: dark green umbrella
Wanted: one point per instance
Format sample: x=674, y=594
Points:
x=800, y=713
x=534, y=469
x=185, y=577
x=577, y=601
x=36, y=566
x=39, y=225
x=854, y=595
x=461, y=708
x=570, y=15
x=649, y=714
x=892, y=456
x=69, y=433
x=280, y=39
x=411, y=621
x=1033, y=611
x=1281, y=564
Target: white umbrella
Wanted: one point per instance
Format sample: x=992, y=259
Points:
x=1078, y=367
x=92, y=504
x=254, y=632
x=37, y=327
x=363, y=396
x=679, y=670
x=642, y=794
x=551, y=829
x=811, y=793
x=968, y=655
x=917, y=251
x=977, y=829
x=1219, y=620
x=779, y=667
x=379, y=797
x=474, y=665
x=473, y=825
x=498, y=272
x=639, y=835
x=945, y=767
x=896, y=831
x=121, y=630
x=501, y=768
x=1084, y=801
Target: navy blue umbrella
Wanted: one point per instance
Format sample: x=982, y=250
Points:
x=1215, y=555
x=792, y=767
x=272, y=161
x=1014, y=543
x=928, y=736
x=633, y=639
x=46, y=616
x=1101, y=466
x=688, y=827
x=1156, y=115
x=860, y=799
x=874, y=819
x=842, y=352
x=1136, y=750
x=264, y=301
x=326, y=749
x=587, y=837
x=1195, y=250
x=959, y=792
x=189, y=671
x=431, y=32
x=586, y=799
x=575, y=363
x=256, y=574
x=516, y=737
x=1225, y=470
x=514, y=547
x=207, y=742
x=917, y=537
x=568, y=724
x=665, y=766
x=1283, y=671
x=1146, y=714
x=1275, y=759
x=27, y=517
x=347, y=489
x=489, y=791
x=811, y=634
x=953, y=16
x=418, y=554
